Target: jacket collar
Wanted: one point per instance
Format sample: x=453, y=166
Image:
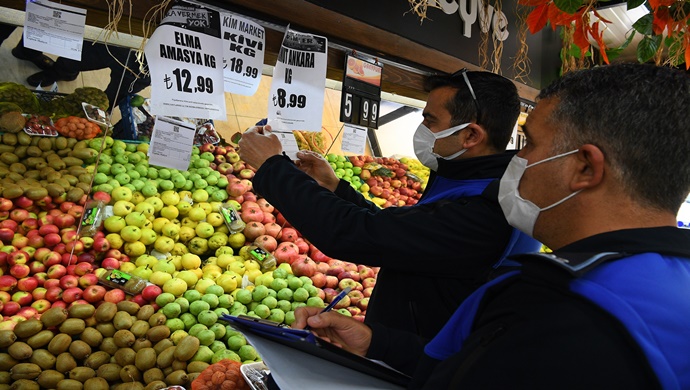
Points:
x=482, y=167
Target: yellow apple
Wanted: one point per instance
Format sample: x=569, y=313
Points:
x=156, y=202
x=127, y=266
x=212, y=272
x=115, y=240
x=228, y=282
x=189, y=277
x=252, y=274
x=186, y=221
x=191, y=261
x=215, y=219
x=205, y=206
x=250, y=264
x=184, y=207
x=215, y=206
x=170, y=212
x=134, y=249
x=203, y=284
x=177, y=261
x=198, y=272
x=286, y=267
x=179, y=249
x=137, y=197
x=158, y=224
x=238, y=267
x=159, y=278
x=186, y=233
x=148, y=236
x=224, y=260
x=175, y=286
x=197, y=214
x=170, y=198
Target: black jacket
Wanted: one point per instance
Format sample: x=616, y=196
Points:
x=529, y=335
x=432, y=255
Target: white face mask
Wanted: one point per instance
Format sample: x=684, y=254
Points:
x=521, y=213
x=424, y=141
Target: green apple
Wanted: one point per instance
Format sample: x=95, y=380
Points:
x=206, y=337
x=300, y=295
x=315, y=302
x=164, y=173
x=244, y=296
x=284, y=293
x=184, y=304
x=196, y=328
x=136, y=219
x=165, y=265
x=211, y=299
x=114, y=223
x=178, y=180
x=216, y=290
x=123, y=207
x=164, y=299
x=277, y=315
x=270, y=301
x=218, y=330
x=170, y=230
x=203, y=354
x=289, y=317
x=189, y=277
x=262, y=311
x=143, y=272
x=294, y=283
x=221, y=311
x=198, y=306
x=236, y=342
x=130, y=233
x=278, y=283
x=260, y=292
x=149, y=190
x=166, y=185
x=217, y=346
x=223, y=355
x=203, y=284
x=117, y=168
x=296, y=305
x=192, y=296
x=284, y=305
x=207, y=317
x=164, y=244
x=189, y=320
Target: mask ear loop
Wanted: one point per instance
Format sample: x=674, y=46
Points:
x=553, y=158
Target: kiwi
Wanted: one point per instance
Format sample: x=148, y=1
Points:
x=28, y=328
x=166, y=358
x=82, y=311
x=43, y=358
x=158, y=333
x=59, y=344
x=145, y=359
x=192, y=376
x=92, y=337
x=60, y=142
x=162, y=345
x=130, y=373
x=70, y=384
x=109, y=371
x=79, y=349
x=141, y=343
x=49, y=379
x=7, y=361
x=40, y=339
x=25, y=371
x=156, y=385
x=33, y=151
x=20, y=350
x=24, y=384
x=124, y=338
x=45, y=144
x=65, y=362
x=106, y=329
x=157, y=319
x=54, y=317
x=23, y=138
x=152, y=375
x=122, y=320
x=196, y=366
x=90, y=322
x=178, y=365
x=55, y=190
x=130, y=307
x=178, y=377
x=7, y=337
x=82, y=374
x=106, y=312
x=97, y=359
x=125, y=356
x=187, y=348
x=139, y=328
x=5, y=378
x=129, y=386
x=73, y=326
x=96, y=384
x=108, y=345
x=145, y=312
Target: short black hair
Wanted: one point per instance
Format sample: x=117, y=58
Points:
x=639, y=116
x=497, y=98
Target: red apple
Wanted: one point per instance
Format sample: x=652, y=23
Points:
x=18, y=257
x=150, y=292
x=100, y=244
x=7, y=282
x=53, y=294
x=332, y=281
x=27, y=312
x=102, y=196
x=70, y=270
x=36, y=267
x=51, y=283
x=365, y=272
x=41, y=277
x=110, y=263
x=363, y=303
x=69, y=281
x=368, y=282
x=65, y=206
x=6, y=235
x=41, y=305
x=20, y=271
x=11, y=308
x=39, y=293
x=114, y=253
x=5, y=297
x=6, y=204
x=114, y=296
x=344, y=283
x=344, y=303
x=27, y=284
x=138, y=299
x=83, y=268
x=52, y=259
x=51, y=240
x=318, y=279
x=76, y=212
x=56, y=271
x=87, y=280
x=19, y=215
x=349, y=275
x=72, y=294
x=23, y=298
x=94, y=293
x=355, y=296
x=60, y=304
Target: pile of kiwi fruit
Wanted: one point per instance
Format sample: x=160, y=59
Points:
x=115, y=346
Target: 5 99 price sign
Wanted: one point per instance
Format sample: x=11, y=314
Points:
x=361, y=97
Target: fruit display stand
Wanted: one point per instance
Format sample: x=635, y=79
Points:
x=75, y=210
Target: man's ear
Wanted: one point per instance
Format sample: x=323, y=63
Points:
x=589, y=168
x=473, y=135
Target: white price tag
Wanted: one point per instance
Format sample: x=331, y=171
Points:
x=54, y=28
x=243, y=54
x=287, y=139
x=171, y=143
x=186, y=65
x=299, y=80
x=354, y=139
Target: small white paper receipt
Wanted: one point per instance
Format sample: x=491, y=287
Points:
x=354, y=139
x=54, y=28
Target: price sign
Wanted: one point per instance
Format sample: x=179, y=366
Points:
x=185, y=58
x=54, y=28
x=298, y=85
x=171, y=143
x=243, y=54
x=361, y=95
x=354, y=139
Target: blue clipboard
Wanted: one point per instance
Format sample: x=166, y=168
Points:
x=306, y=341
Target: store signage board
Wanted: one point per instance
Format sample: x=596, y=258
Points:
x=185, y=57
x=361, y=97
x=171, y=143
x=243, y=54
x=54, y=28
x=354, y=139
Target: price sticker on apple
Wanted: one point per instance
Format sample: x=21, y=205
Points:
x=243, y=54
x=298, y=84
x=361, y=96
x=185, y=57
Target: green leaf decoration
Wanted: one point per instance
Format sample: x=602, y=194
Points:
x=644, y=24
x=634, y=3
x=648, y=47
x=568, y=6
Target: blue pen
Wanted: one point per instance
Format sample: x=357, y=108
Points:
x=334, y=302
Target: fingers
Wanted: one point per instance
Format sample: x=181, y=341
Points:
x=302, y=314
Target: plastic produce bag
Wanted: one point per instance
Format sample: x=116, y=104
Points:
x=224, y=375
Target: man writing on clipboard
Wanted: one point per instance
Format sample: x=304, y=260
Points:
x=450, y=240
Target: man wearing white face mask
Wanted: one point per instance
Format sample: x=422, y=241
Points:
x=600, y=181
x=432, y=254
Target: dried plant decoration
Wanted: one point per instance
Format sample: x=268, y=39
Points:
x=484, y=36
x=497, y=43
x=521, y=61
x=419, y=8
